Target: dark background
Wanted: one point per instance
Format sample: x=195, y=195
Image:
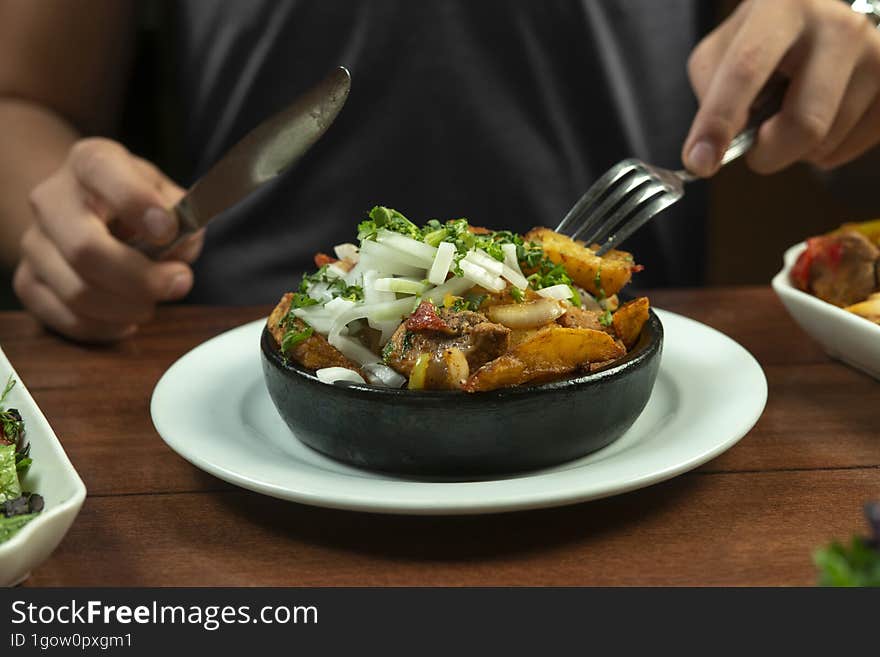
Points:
x=752, y=219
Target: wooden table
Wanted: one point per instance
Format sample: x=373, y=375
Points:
x=752, y=516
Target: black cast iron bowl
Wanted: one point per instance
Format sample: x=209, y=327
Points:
x=459, y=434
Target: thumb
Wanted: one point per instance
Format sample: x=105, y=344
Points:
x=126, y=189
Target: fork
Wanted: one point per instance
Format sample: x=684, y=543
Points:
x=632, y=192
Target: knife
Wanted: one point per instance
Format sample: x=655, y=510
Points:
x=262, y=154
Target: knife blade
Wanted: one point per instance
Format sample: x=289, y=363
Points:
x=260, y=156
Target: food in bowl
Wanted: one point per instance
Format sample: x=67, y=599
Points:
x=841, y=267
x=17, y=507
x=450, y=306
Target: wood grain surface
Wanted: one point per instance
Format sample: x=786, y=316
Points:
x=752, y=516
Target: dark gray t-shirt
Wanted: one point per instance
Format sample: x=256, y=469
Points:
x=500, y=111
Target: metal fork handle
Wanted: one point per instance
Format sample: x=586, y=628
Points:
x=767, y=103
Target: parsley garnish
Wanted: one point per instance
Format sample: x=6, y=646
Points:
x=293, y=338
x=469, y=302
x=13, y=426
x=606, y=318
x=382, y=217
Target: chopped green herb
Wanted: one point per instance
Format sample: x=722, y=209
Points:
x=407, y=340
x=597, y=281
x=387, y=352
x=434, y=237
x=468, y=302
x=10, y=421
x=336, y=288
x=293, y=338
x=302, y=300
x=606, y=318
x=517, y=294
x=382, y=217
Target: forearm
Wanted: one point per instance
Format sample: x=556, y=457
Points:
x=34, y=143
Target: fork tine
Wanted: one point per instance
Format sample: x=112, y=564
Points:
x=613, y=220
x=644, y=214
x=597, y=190
x=619, y=192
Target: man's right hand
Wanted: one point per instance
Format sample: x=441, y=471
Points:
x=76, y=275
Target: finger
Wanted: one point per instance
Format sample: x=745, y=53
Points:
x=51, y=311
x=860, y=94
x=83, y=299
x=124, y=188
x=705, y=58
x=170, y=191
x=814, y=95
x=863, y=137
x=189, y=249
x=87, y=245
x=764, y=37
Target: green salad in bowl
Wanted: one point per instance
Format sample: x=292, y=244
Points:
x=17, y=507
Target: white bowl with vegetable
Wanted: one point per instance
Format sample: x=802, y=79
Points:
x=31, y=527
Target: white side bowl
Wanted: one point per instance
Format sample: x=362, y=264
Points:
x=52, y=476
x=844, y=335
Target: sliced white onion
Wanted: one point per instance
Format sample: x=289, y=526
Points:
x=334, y=374
x=346, y=251
x=560, y=291
x=354, y=275
x=380, y=312
x=399, y=285
x=510, y=258
x=316, y=317
x=455, y=286
x=530, y=314
x=515, y=277
x=381, y=375
x=388, y=328
x=338, y=306
x=353, y=349
x=482, y=277
x=384, y=258
x=484, y=260
x=319, y=292
x=421, y=252
x=335, y=271
x=442, y=263
x=371, y=294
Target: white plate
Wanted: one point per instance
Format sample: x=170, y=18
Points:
x=52, y=476
x=844, y=335
x=212, y=408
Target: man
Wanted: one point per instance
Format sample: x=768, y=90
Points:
x=500, y=111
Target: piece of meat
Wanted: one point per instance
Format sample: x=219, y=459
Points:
x=576, y=317
x=425, y=318
x=469, y=333
x=313, y=353
x=839, y=268
x=322, y=259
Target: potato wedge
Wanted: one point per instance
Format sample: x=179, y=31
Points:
x=502, y=372
x=595, y=274
x=629, y=320
x=277, y=316
x=313, y=353
x=869, y=308
x=550, y=352
x=556, y=346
